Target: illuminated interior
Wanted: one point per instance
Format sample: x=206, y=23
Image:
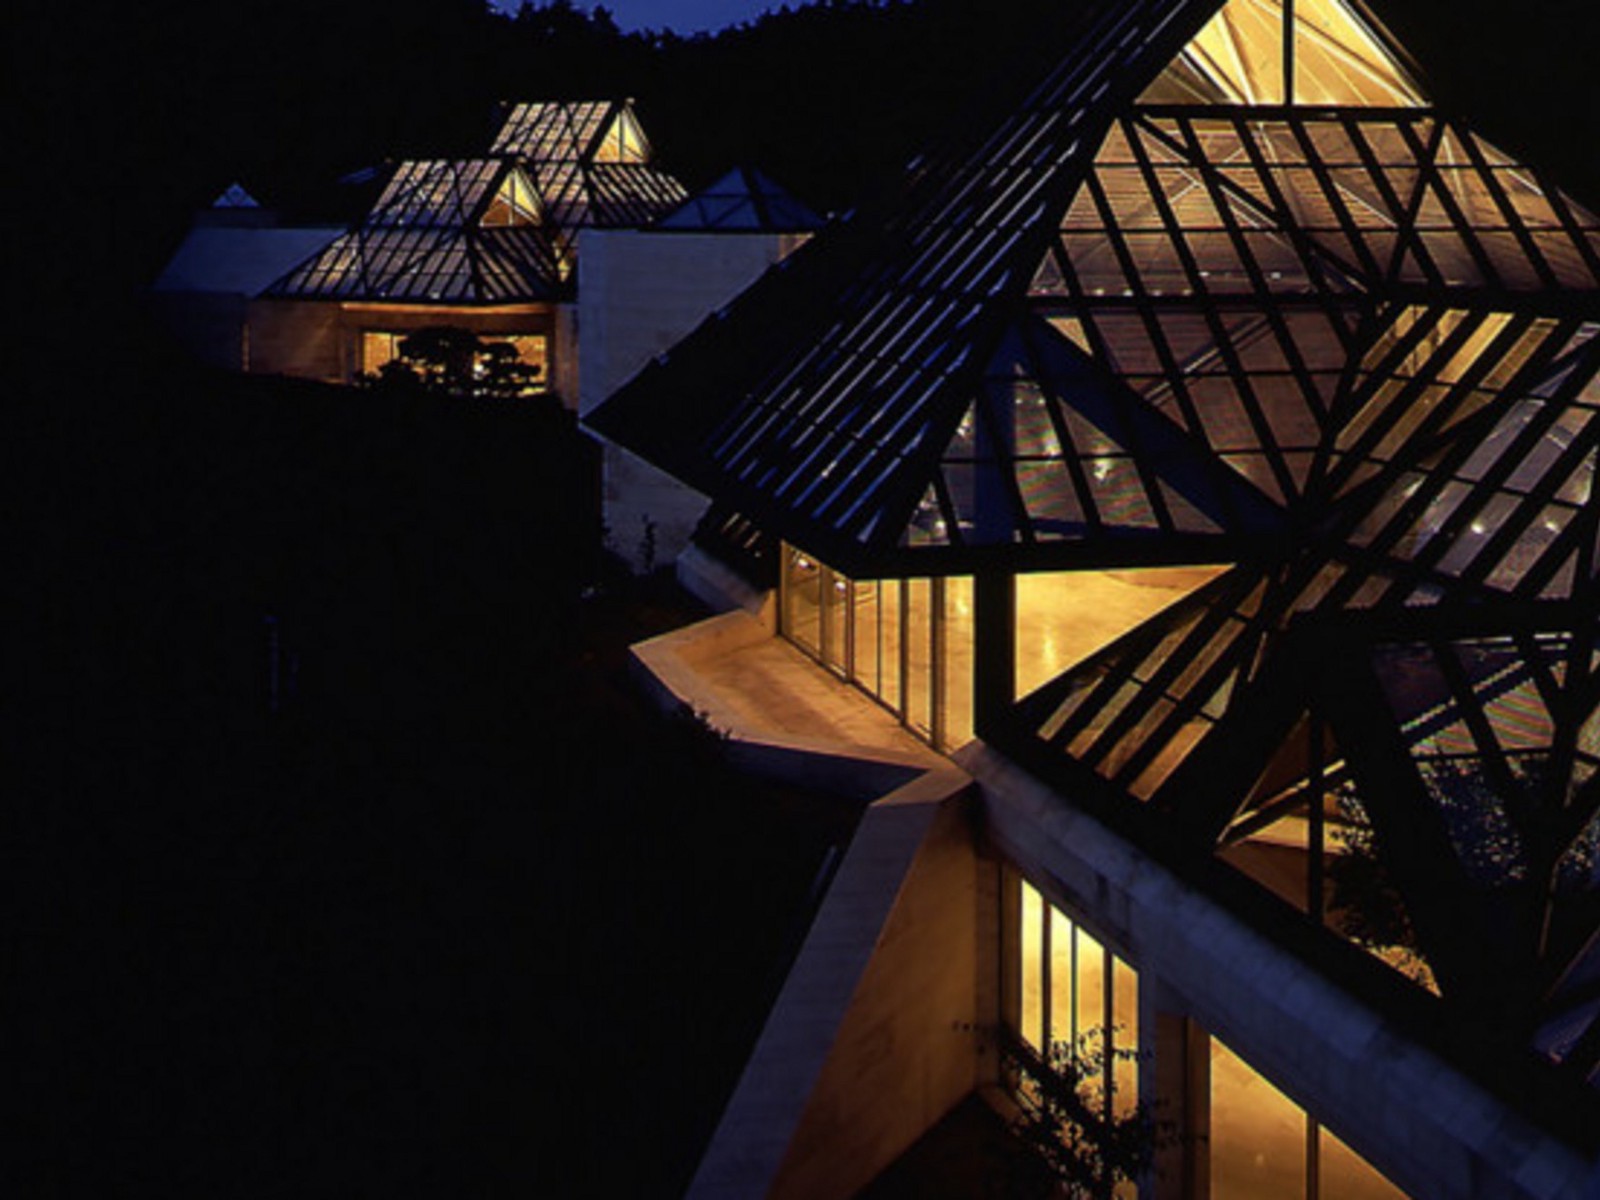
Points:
x=905, y=642
x=1073, y=990
x=624, y=141
x=516, y=203
x=1281, y=312
x=382, y=346
x=1070, y=988
x=1263, y=1144
x=909, y=643
x=1242, y=56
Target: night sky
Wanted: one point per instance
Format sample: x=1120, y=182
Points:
x=684, y=16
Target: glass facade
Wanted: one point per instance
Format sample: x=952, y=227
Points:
x=1071, y=990
x=1264, y=1144
x=910, y=643
x=905, y=642
x=1063, y=986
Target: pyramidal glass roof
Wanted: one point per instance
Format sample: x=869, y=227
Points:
x=743, y=199
x=447, y=231
x=1228, y=287
x=590, y=162
x=1218, y=232
x=499, y=229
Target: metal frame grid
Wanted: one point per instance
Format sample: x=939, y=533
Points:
x=442, y=232
x=1350, y=348
x=743, y=199
x=592, y=163
x=501, y=229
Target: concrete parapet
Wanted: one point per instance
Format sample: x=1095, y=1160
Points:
x=872, y=1039
x=1423, y=1123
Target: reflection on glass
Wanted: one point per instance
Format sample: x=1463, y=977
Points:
x=1258, y=1135
x=802, y=601
x=866, y=666
x=1078, y=994
x=1259, y=1139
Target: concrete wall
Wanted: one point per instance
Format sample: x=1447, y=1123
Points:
x=302, y=338
x=873, y=1038
x=639, y=294
x=1431, y=1130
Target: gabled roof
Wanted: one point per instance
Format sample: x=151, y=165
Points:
x=468, y=231
x=1225, y=261
x=743, y=199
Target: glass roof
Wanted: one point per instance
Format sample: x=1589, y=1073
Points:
x=1213, y=293
x=499, y=229
x=742, y=199
x=1241, y=56
x=591, y=163
x=465, y=232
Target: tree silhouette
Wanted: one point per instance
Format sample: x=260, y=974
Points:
x=457, y=362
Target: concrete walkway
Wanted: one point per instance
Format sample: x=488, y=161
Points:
x=757, y=687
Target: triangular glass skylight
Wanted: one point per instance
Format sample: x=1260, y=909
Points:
x=1241, y=56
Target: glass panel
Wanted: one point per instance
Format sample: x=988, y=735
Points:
x=802, y=601
x=890, y=613
x=1345, y=1175
x=836, y=607
x=1338, y=61
x=1240, y=51
x=1062, y=1028
x=1125, y=1023
x=865, y=650
x=919, y=656
x=1031, y=941
x=1258, y=1135
x=533, y=350
x=956, y=643
x=377, y=349
x=1090, y=970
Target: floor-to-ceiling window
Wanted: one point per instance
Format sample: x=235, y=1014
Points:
x=910, y=644
x=906, y=642
x=1063, y=986
x=1072, y=1006
x=1073, y=991
x=1263, y=1144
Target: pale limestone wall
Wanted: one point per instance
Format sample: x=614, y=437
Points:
x=873, y=1037
x=639, y=294
x=295, y=337
x=1431, y=1130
